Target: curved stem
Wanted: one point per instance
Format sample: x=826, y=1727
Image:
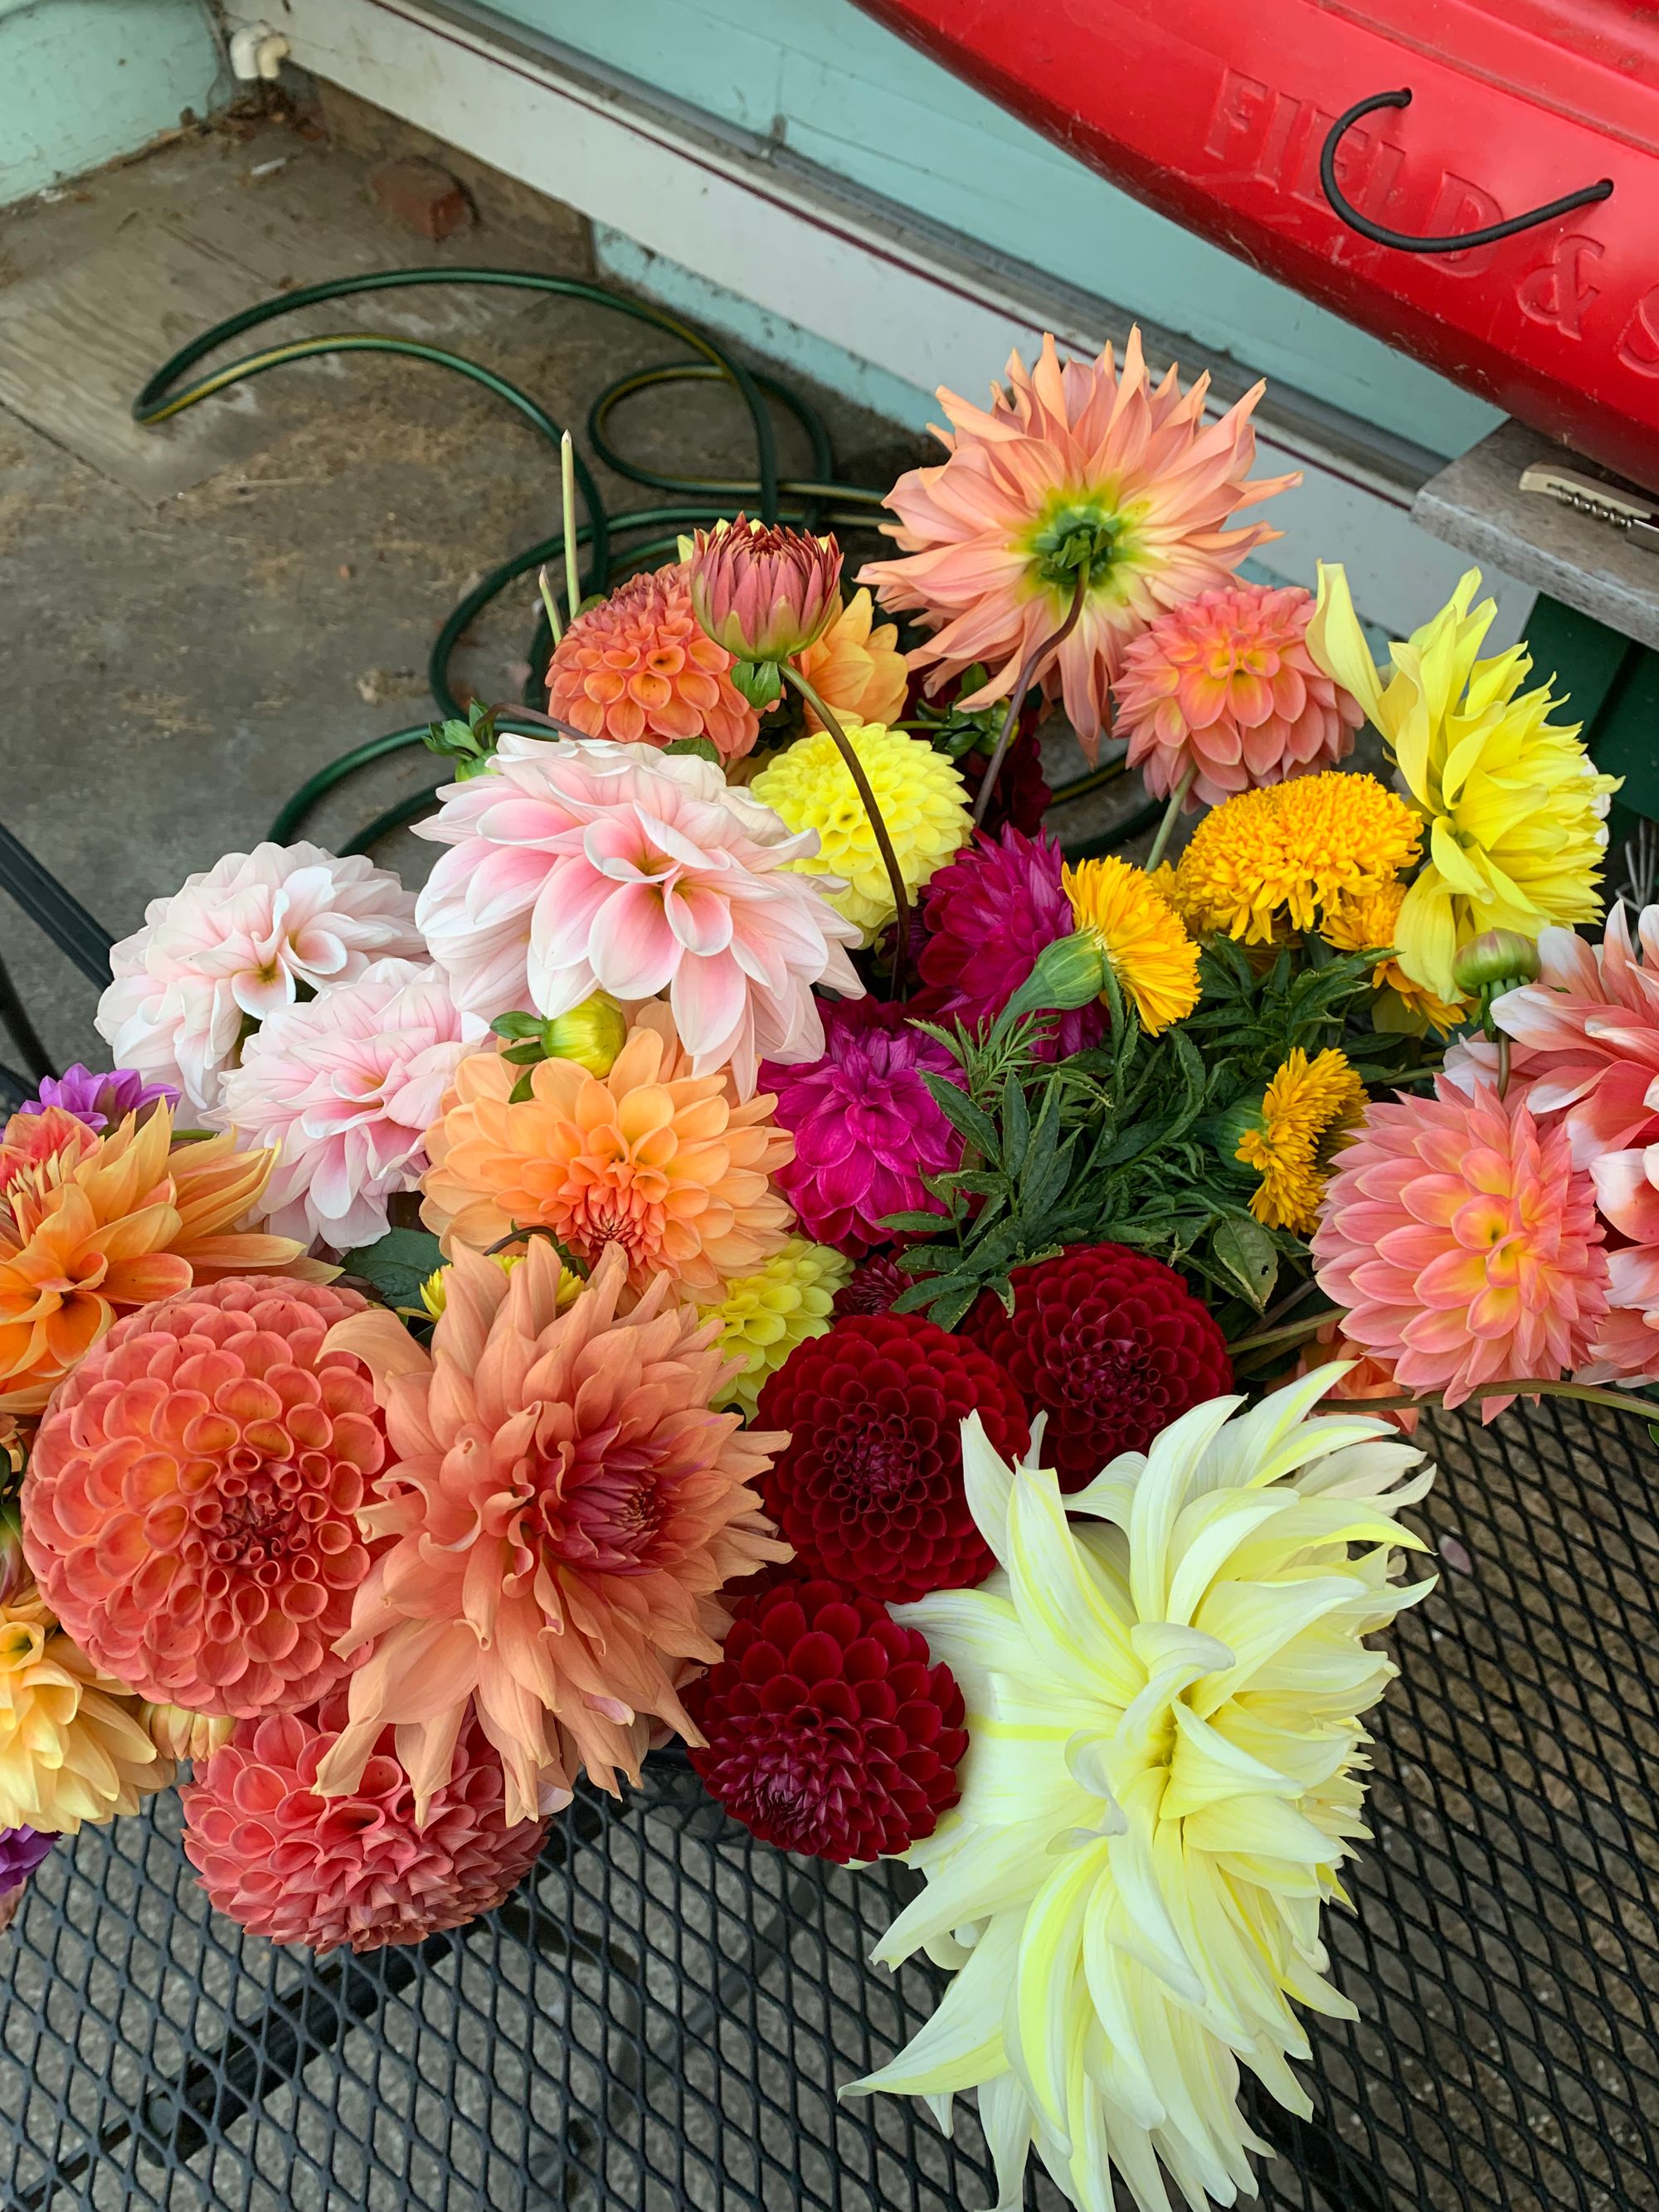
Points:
x=855, y=768
x=1177, y=800
x=1023, y=681
x=1286, y=1334
x=1503, y=1065
x=1526, y=1386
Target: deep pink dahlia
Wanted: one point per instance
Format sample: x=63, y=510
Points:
x=988, y=916
x=866, y=1126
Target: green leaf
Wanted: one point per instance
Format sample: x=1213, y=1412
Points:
x=703, y=748
x=948, y=1309
x=397, y=1264
x=1250, y=1255
x=961, y=1112
x=915, y=1224
x=1016, y=1126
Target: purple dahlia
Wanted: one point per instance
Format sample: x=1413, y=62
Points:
x=98, y=1099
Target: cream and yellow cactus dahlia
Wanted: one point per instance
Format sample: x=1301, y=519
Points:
x=1163, y=1778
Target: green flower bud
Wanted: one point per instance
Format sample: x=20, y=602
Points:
x=1068, y=974
x=592, y=1034
x=1496, y=960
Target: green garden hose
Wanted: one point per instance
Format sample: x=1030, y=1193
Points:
x=816, y=502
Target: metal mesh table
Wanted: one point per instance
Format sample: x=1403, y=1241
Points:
x=659, y=2019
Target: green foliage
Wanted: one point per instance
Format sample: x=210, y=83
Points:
x=700, y=748
x=395, y=1265
x=471, y=744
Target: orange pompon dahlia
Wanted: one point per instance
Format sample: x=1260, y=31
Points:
x=191, y=1506
x=562, y=1510
x=856, y=668
x=639, y=668
x=1076, y=475
x=87, y=1234
x=664, y=1164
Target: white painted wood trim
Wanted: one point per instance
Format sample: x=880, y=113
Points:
x=924, y=304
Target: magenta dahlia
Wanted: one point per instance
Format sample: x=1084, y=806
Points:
x=829, y=1728
x=988, y=916
x=866, y=1126
x=1112, y=1346
x=282, y=1860
x=869, y=1488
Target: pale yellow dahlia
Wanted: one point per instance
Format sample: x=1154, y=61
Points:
x=763, y=1316
x=1307, y=1109
x=923, y=804
x=1517, y=814
x=1164, y=1776
x=73, y=1747
x=1140, y=935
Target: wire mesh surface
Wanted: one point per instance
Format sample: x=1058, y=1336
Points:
x=659, y=2019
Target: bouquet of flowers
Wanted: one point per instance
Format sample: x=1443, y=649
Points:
x=765, y=1251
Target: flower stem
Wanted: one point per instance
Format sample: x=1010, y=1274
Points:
x=1526, y=1386
x=573, y=581
x=1023, y=683
x=551, y=606
x=855, y=768
x=1177, y=800
x=1287, y=1332
x=1503, y=1065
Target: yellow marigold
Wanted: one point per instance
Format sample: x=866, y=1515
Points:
x=72, y=1746
x=763, y=1316
x=87, y=1235
x=1306, y=1110
x=856, y=669
x=1285, y=853
x=1516, y=812
x=1369, y=922
x=665, y=1164
x=1140, y=936
x=922, y=800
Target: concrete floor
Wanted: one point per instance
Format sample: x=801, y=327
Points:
x=173, y=667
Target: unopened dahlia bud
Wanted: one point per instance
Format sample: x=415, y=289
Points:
x=762, y=590
x=592, y=1034
x=1496, y=960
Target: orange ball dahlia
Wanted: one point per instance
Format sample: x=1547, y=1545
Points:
x=560, y=1511
x=1463, y=1244
x=283, y=1861
x=1222, y=689
x=664, y=1164
x=639, y=668
x=85, y=1235
x=191, y=1506
x=1077, y=475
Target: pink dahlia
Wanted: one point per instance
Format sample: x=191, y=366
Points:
x=1074, y=471
x=284, y=1861
x=1463, y=1244
x=1223, y=687
x=866, y=1126
x=641, y=669
x=988, y=916
x=344, y=1087
x=586, y=865
x=235, y=945
x=1627, y=1192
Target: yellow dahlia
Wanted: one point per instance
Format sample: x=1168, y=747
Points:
x=763, y=1316
x=1517, y=814
x=1280, y=856
x=922, y=800
x=1309, y=1107
x=1369, y=921
x=1164, y=1774
x=73, y=1747
x=1140, y=935
x=855, y=667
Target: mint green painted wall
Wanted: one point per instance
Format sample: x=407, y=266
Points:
x=840, y=90
x=82, y=80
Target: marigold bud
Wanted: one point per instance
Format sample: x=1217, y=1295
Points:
x=1496, y=960
x=1068, y=974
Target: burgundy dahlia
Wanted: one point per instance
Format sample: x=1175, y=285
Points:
x=866, y=1126
x=829, y=1730
x=869, y=1488
x=282, y=1861
x=1112, y=1346
x=988, y=916
x=872, y=1287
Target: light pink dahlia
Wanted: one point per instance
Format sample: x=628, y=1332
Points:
x=1463, y=1244
x=1224, y=686
x=1627, y=1192
x=639, y=668
x=1073, y=469
x=344, y=1087
x=236, y=943
x=586, y=865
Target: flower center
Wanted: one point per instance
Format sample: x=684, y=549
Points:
x=874, y=1462
x=1076, y=536
x=1114, y=1370
x=254, y=1522
x=601, y=1506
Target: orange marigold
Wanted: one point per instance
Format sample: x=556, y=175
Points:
x=87, y=1234
x=856, y=669
x=665, y=1164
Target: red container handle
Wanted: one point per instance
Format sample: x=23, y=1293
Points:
x=1461, y=239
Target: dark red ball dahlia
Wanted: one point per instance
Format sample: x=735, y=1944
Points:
x=869, y=1488
x=1111, y=1345
x=829, y=1730
x=872, y=1287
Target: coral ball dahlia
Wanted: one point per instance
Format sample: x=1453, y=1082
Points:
x=869, y=1488
x=829, y=1730
x=1112, y=1346
x=988, y=916
x=639, y=668
x=191, y=1506
x=283, y=1861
